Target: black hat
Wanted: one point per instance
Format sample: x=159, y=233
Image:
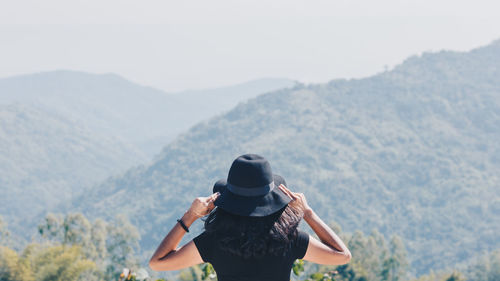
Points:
x=251, y=189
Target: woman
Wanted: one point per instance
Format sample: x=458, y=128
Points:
x=252, y=234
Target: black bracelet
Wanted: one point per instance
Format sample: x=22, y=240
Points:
x=183, y=225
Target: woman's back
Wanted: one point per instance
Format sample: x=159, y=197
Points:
x=231, y=267
x=252, y=248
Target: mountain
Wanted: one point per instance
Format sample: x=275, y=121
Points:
x=46, y=158
x=63, y=131
x=108, y=104
x=413, y=151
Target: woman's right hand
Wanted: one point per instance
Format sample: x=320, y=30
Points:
x=329, y=249
x=298, y=199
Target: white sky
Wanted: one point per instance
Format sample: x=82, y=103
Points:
x=177, y=45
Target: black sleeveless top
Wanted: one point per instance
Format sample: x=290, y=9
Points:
x=268, y=268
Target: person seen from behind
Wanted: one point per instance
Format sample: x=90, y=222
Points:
x=251, y=229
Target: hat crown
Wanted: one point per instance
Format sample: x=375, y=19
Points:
x=250, y=170
x=250, y=188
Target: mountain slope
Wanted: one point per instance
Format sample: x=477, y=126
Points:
x=110, y=105
x=413, y=151
x=46, y=158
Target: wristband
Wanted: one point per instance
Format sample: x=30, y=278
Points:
x=183, y=225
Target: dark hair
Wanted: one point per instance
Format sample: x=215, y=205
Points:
x=254, y=237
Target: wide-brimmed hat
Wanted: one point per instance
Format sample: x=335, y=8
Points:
x=251, y=188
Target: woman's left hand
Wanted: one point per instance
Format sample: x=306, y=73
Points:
x=202, y=206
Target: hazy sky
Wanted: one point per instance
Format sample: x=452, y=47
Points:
x=176, y=45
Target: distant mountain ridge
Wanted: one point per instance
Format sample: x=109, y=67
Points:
x=413, y=151
x=145, y=117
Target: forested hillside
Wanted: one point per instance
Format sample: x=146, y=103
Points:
x=46, y=159
x=413, y=151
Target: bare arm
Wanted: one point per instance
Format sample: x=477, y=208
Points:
x=331, y=250
x=336, y=253
x=164, y=256
x=167, y=256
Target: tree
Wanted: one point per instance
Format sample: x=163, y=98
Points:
x=44, y=263
x=112, y=245
x=372, y=259
x=73, y=229
x=9, y=265
x=395, y=266
x=494, y=272
x=121, y=244
x=4, y=233
x=486, y=268
x=60, y=263
x=455, y=276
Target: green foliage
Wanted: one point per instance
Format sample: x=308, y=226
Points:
x=61, y=263
x=72, y=243
x=394, y=267
x=193, y=273
x=443, y=276
x=10, y=267
x=373, y=259
x=455, y=276
x=96, y=251
x=486, y=268
x=208, y=272
x=44, y=263
x=200, y=272
x=298, y=267
x=121, y=244
x=112, y=245
x=319, y=277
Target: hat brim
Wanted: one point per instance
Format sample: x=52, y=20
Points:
x=251, y=206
